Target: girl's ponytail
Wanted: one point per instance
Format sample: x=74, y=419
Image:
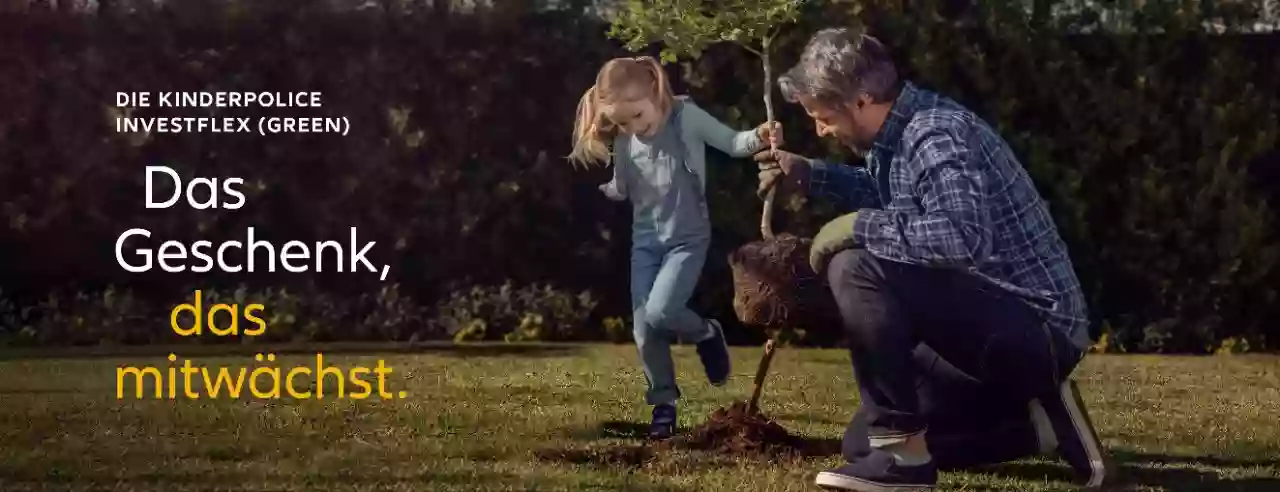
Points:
x=589, y=146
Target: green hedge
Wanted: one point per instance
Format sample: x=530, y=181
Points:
x=1143, y=144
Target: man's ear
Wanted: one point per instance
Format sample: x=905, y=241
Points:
x=855, y=106
x=864, y=100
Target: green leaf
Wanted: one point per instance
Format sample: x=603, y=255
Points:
x=686, y=28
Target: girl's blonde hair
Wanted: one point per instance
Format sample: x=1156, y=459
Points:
x=591, y=130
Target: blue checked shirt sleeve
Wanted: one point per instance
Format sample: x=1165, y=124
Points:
x=953, y=228
x=848, y=188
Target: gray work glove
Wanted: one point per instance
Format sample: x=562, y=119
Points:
x=779, y=167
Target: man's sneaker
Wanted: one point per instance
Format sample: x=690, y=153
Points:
x=1078, y=442
x=878, y=472
x=663, y=425
x=714, y=353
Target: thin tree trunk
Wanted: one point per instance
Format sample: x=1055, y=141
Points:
x=753, y=406
x=766, y=216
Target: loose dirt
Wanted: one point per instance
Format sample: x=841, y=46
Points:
x=738, y=431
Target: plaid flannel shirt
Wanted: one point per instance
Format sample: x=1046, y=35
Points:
x=941, y=188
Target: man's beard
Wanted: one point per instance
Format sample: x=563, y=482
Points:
x=851, y=143
x=858, y=150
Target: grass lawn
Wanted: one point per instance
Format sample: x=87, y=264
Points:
x=475, y=421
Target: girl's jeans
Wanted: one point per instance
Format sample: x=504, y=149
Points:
x=663, y=277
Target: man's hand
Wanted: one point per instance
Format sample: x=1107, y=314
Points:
x=835, y=236
x=775, y=165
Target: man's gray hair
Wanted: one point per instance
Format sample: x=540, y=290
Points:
x=837, y=65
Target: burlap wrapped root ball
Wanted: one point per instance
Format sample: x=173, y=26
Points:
x=774, y=286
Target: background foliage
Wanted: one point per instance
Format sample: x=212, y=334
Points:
x=1155, y=142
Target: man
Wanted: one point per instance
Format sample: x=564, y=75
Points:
x=962, y=310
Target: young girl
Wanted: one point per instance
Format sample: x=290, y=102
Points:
x=659, y=163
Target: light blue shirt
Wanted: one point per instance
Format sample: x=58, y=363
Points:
x=664, y=176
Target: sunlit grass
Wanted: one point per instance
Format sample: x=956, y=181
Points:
x=477, y=421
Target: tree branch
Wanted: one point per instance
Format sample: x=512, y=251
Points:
x=768, y=39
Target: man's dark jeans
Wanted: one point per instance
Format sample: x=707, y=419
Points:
x=945, y=351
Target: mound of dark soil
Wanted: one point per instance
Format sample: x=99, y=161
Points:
x=731, y=432
x=737, y=430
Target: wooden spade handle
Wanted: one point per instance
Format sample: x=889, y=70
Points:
x=763, y=370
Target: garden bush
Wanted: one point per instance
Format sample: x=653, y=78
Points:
x=515, y=314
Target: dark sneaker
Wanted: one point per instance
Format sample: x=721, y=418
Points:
x=1078, y=442
x=663, y=425
x=878, y=472
x=714, y=353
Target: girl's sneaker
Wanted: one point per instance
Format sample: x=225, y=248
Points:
x=664, y=422
x=714, y=353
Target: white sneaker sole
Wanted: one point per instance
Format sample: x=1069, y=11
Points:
x=843, y=482
x=1085, y=432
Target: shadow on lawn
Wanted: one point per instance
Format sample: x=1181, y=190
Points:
x=810, y=447
x=1214, y=461
x=327, y=480
x=1133, y=470
x=1170, y=473
x=636, y=450
x=618, y=429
